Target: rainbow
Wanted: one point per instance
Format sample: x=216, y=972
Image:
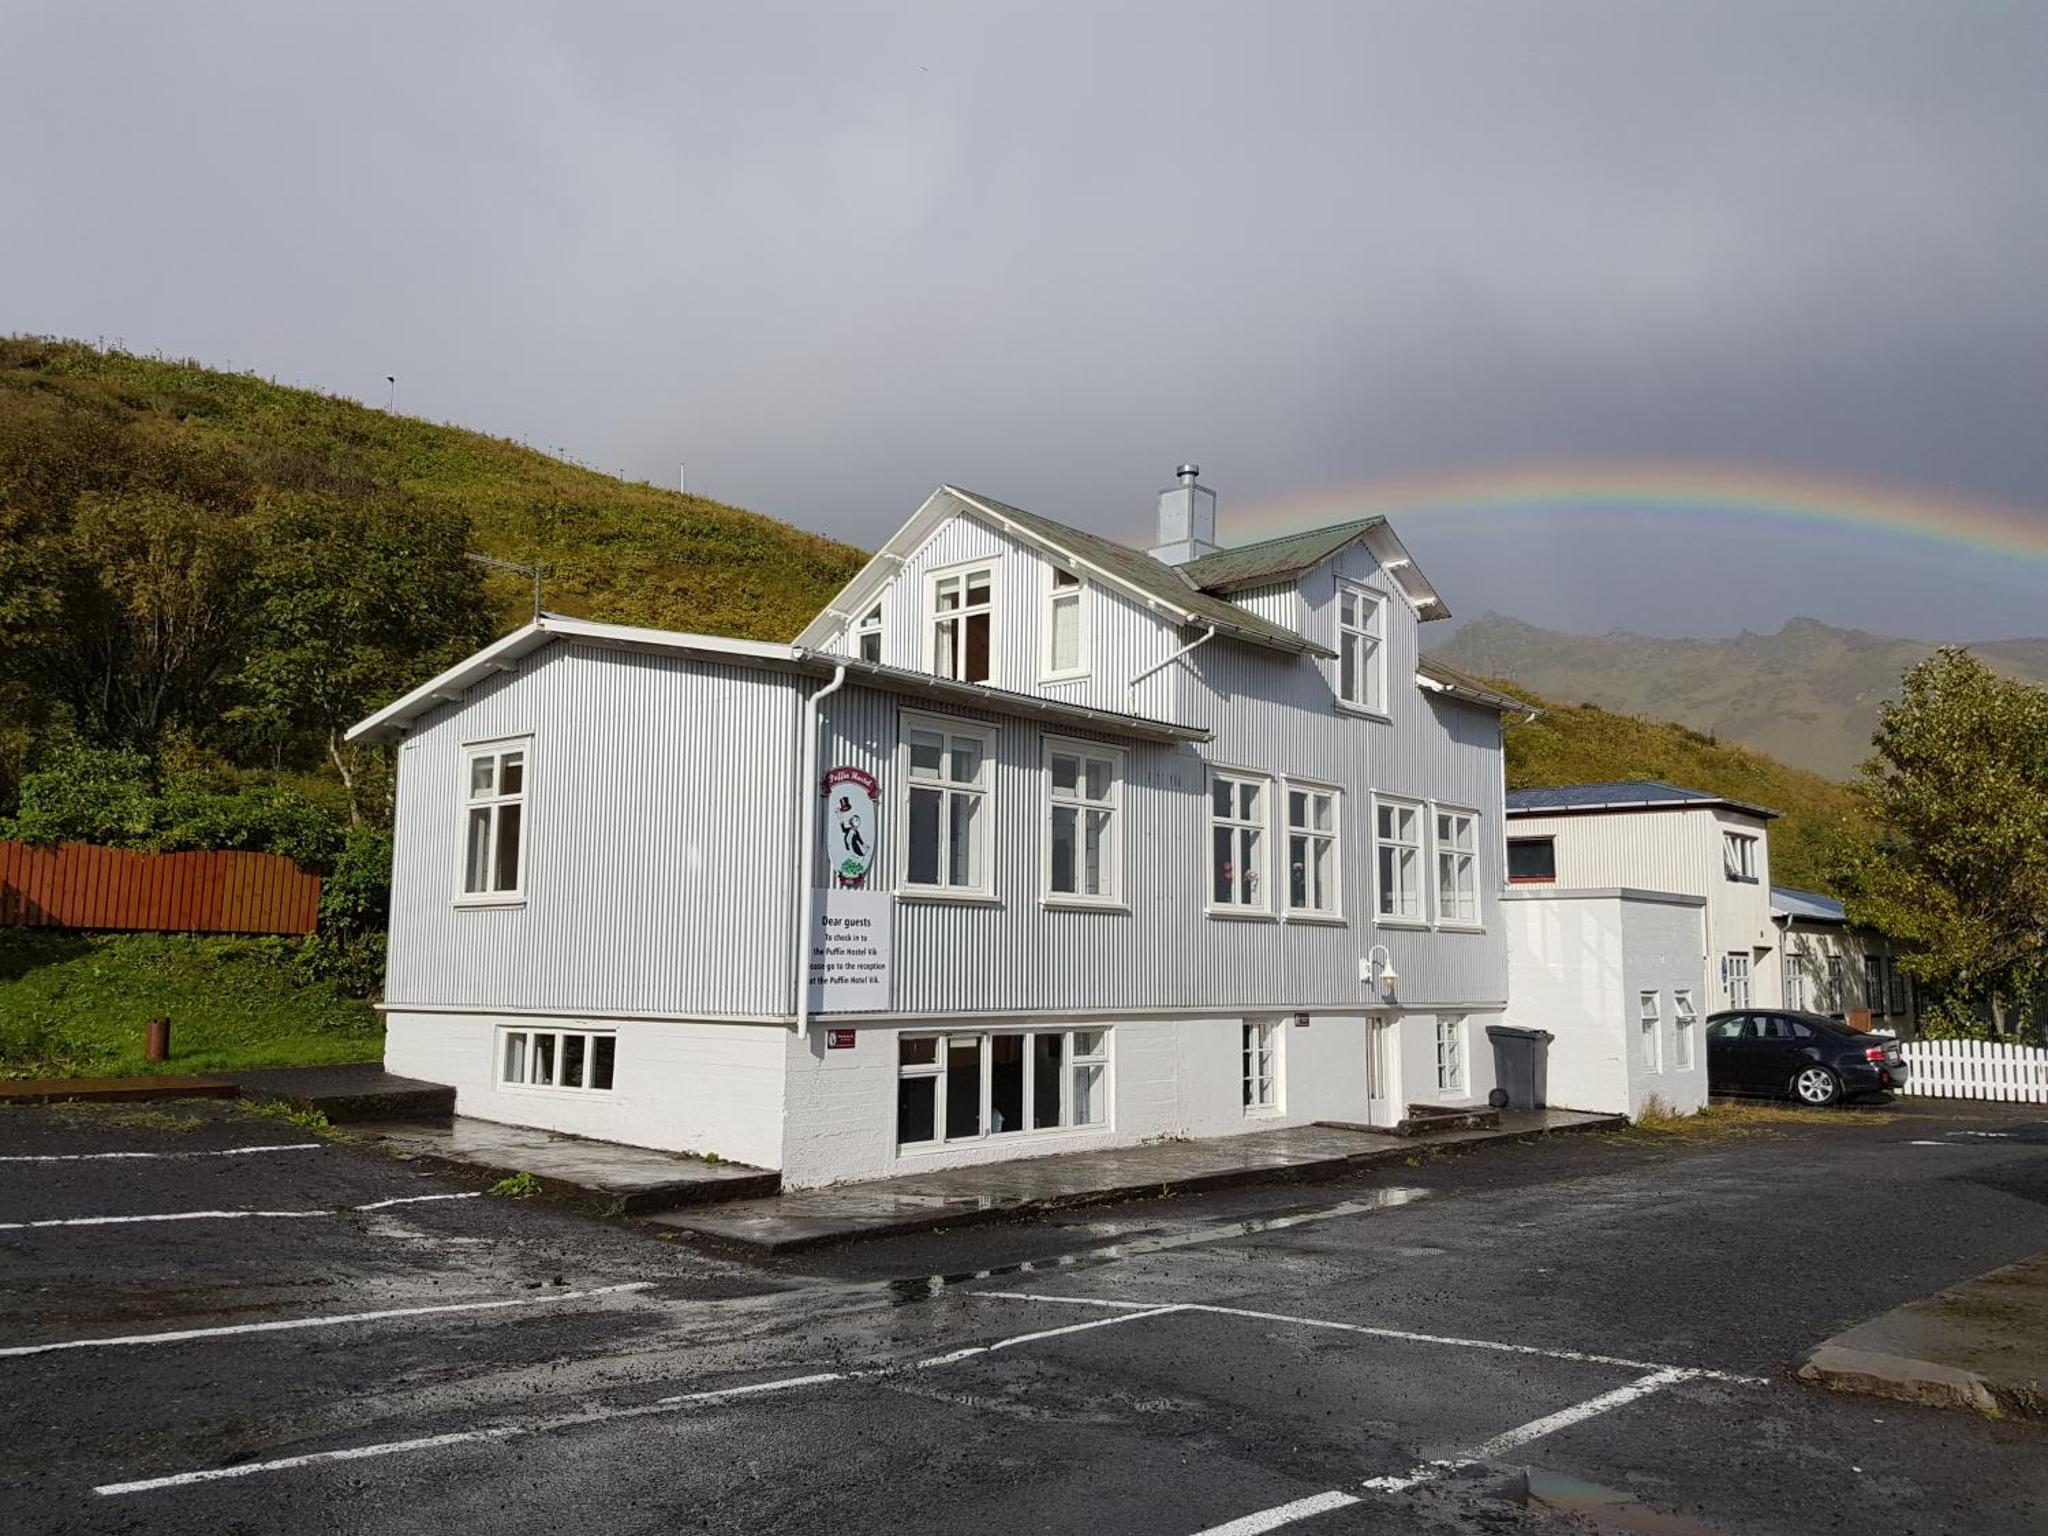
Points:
x=1627, y=494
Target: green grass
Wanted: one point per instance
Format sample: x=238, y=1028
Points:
x=616, y=550
x=73, y=1005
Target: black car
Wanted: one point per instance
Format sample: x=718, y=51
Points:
x=1806, y=1056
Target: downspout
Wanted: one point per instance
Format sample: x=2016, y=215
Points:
x=807, y=846
x=1161, y=666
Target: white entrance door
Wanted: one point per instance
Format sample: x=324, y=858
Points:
x=1382, y=1073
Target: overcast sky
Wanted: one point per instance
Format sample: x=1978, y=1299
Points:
x=833, y=255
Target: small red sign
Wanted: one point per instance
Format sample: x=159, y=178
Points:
x=838, y=1039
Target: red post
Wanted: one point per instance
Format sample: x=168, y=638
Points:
x=156, y=1038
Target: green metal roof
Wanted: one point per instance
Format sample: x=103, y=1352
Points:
x=1271, y=560
x=1137, y=569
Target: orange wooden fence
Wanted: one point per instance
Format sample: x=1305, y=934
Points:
x=78, y=885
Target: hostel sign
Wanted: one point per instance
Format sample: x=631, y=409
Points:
x=852, y=825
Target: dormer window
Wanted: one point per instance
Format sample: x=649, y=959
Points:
x=867, y=635
x=1361, y=656
x=1066, y=625
x=962, y=612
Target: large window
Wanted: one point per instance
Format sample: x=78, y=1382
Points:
x=1684, y=1026
x=1312, y=851
x=1397, y=839
x=1237, y=842
x=1532, y=860
x=1261, y=1058
x=1873, y=984
x=1066, y=625
x=493, y=861
x=1795, y=980
x=1361, y=655
x=1650, y=1028
x=1083, y=853
x=1450, y=1054
x=1738, y=855
x=1735, y=979
x=1838, y=985
x=867, y=635
x=962, y=608
x=946, y=820
x=557, y=1058
x=1457, y=868
x=971, y=1087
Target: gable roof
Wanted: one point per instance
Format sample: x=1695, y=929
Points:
x=396, y=718
x=1622, y=795
x=1810, y=905
x=1463, y=685
x=1286, y=557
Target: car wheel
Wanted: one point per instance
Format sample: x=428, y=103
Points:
x=1816, y=1086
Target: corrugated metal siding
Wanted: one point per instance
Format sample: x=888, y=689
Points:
x=79, y=885
x=658, y=848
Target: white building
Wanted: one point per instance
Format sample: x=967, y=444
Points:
x=1030, y=842
x=1828, y=966
x=1646, y=835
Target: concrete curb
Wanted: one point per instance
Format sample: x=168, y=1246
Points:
x=637, y=1202
x=114, y=1090
x=940, y=1218
x=1894, y=1376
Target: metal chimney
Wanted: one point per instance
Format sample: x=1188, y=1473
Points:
x=1187, y=519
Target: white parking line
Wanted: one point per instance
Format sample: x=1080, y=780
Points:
x=1403, y=1335
x=598, y=1416
x=1281, y=1514
x=92, y=1157
x=284, y=1325
x=115, y=1221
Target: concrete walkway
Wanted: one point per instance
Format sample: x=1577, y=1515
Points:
x=360, y=1090
x=997, y=1191
x=620, y=1178
x=1982, y=1344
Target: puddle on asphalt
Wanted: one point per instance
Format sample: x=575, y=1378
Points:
x=1148, y=1242
x=1605, y=1509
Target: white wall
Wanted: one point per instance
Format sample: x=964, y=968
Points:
x=679, y=1086
x=1169, y=1078
x=1577, y=964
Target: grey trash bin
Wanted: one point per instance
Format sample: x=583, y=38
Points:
x=1520, y=1065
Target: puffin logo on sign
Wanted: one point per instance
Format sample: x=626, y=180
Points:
x=851, y=798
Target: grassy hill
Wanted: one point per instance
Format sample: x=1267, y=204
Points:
x=1583, y=743
x=1808, y=695
x=615, y=549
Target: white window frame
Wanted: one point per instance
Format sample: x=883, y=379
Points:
x=1364, y=644
x=1685, y=1023
x=1419, y=918
x=495, y=802
x=1650, y=1029
x=1476, y=923
x=1334, y=837
x=1738, y=855
x=1072, y=1063
x=933, y=618
x=1260, y=869
x=1733, y=964
x=873, y=622
x=1450, y=1056
x=529, y=1080
x=1262, y=1066
x=1793, y=980
x=1078, y=801
x=948, y=727
x=1081, y=596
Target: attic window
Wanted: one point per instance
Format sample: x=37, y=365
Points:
x=1066, y=625
x=1361, y=657
x=962, y=610
x=867, y=635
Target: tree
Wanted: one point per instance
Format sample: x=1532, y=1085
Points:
x=1958, y=782
x=356, y=597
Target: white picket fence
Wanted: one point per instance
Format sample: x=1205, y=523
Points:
x=1977, y=1069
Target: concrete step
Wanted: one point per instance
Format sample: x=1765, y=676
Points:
x=353, y=1092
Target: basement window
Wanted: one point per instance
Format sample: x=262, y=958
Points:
x=557, y=1058
x=494, y=839
x=983, y=1086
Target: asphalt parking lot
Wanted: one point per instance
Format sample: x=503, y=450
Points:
x=214, y=1322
